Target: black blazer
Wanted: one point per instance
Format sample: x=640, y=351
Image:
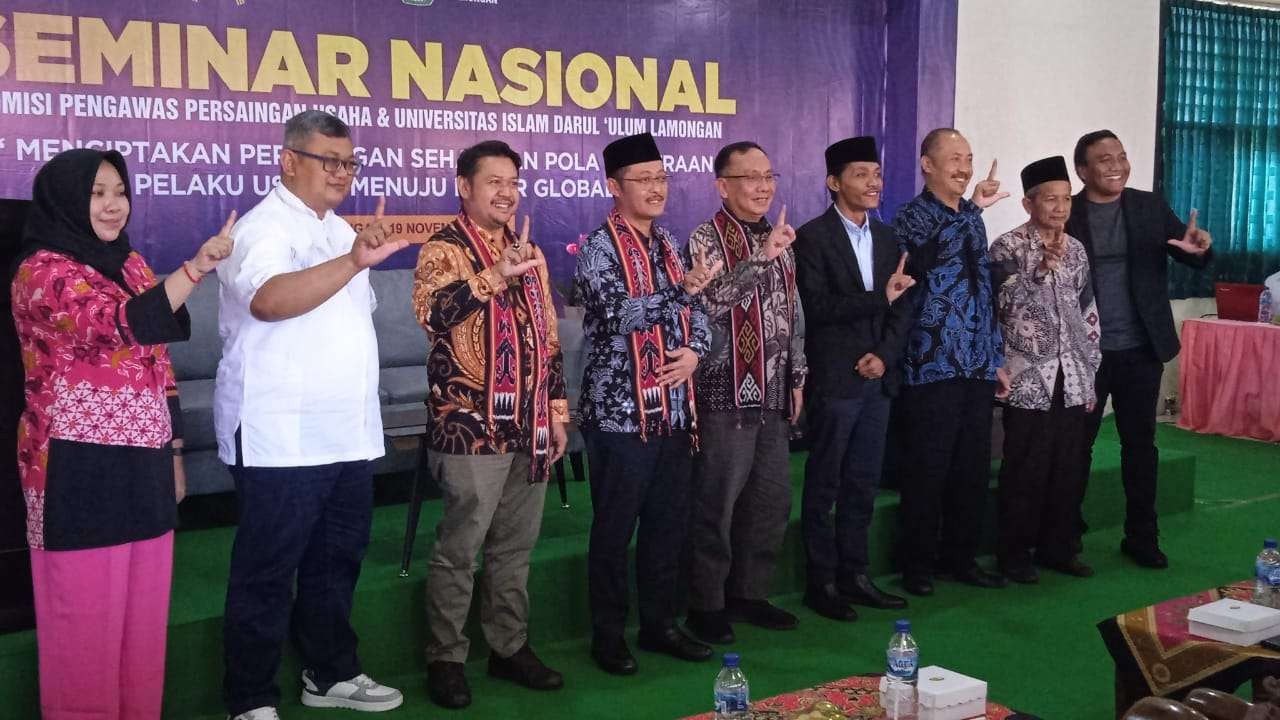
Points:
x=1150, y=224
x=843, y=319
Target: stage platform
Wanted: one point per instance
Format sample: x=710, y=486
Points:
x=389, y=609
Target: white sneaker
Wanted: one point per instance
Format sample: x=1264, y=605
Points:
x=262, y=713
x=359, y=693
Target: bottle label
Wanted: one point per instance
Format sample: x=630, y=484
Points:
x=902, y=665
x=731, y=702
x=1267, y=573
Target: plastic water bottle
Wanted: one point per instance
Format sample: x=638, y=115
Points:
x=901, y=668
x=1266, y=585
x=1264, y=306
x=731, y=694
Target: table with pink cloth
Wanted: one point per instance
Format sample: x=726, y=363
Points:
x=1229, y=378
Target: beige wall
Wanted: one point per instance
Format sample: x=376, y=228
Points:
x=1032, y=76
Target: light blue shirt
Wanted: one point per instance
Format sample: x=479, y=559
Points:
x=860, y=240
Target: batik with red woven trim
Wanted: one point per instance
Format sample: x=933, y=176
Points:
x=505, y=383
x=746, y=323
x=649, y=345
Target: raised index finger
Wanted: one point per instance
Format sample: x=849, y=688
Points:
x=902, y=264
x=782, y=217
x=992, y=175
x=226, y=226
x=382, y=205
x=524, y=231
x=1191, y=222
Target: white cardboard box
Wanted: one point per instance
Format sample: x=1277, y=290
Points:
x=948, y=695
x=1233, y=621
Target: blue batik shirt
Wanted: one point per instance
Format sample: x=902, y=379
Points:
x=955, y=333
x=608, y=387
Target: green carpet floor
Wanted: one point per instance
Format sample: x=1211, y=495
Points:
x=1036, y=646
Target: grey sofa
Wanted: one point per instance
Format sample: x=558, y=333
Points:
x=402, y=349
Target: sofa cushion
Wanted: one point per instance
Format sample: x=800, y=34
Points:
x=401, y=341
x=198, y=357
x=197, y=414
x=398, y=385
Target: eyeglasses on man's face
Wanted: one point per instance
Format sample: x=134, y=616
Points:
x=756, y=179
x=649, y=182
x=330, y=163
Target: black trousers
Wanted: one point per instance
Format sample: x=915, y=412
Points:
x=296, y=557
x=635, y=481
x=1042, y=482
x=846, y=452
x=1132, y=380
x=944, y=471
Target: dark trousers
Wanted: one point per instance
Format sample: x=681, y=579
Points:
x=741, y=504
x=308, y=523
x=944, y=472
x=636, y=481
x=1041, y=483
x=847, y=438
x=1132, y=379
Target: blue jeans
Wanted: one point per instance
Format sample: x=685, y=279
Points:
x=847, y=437
x=308, y=523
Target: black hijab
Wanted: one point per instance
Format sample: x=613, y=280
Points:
x=58, y=219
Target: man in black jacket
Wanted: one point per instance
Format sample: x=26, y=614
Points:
x=856, y=329
x=1128, y=234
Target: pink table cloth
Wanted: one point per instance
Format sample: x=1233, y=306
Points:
x=1229, y=378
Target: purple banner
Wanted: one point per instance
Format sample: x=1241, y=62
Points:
x=195, y=93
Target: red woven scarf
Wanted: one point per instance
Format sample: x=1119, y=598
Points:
x=505, y=384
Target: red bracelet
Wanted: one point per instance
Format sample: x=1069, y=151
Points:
x=187, y=272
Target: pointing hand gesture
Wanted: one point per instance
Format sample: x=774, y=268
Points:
x=899, y=281
x=1053, y=249
x=781, y=237
x=1194, y=241
x=701, y=273
x=215, y=249
x=373, y=244
x=987, y=192
x=519, y=258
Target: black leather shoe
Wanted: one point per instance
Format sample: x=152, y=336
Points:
x=710, y=627
x=1147, y=554
x=859, y=590
x=1021, y=574
x=760, y=613
x=613, y=656
x=1074, y=566
x=829, y=603
x=672, y=642
x=974, y=575
x=919, y=585
x=524, y=668
x=447, y=685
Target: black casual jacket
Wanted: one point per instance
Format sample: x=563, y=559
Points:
x=843, y=319
x=1150, y=224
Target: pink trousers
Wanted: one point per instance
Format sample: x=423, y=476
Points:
x=101, y=622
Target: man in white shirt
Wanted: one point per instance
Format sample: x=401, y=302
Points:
x=297, y=419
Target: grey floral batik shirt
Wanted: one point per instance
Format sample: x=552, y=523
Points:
x=1049, y=321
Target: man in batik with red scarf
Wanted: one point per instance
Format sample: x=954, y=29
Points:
x=646, y=331
x=498, y=413
x=749, y=396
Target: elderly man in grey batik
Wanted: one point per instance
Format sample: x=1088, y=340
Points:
x=1049, y=322
x=749, y=395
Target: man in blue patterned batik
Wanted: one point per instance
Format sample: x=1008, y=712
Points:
x=646, y=331
x=952, y=368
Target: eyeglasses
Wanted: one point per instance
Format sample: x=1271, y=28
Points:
x=770, y=179
x=650, y=182
x=330, y=163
